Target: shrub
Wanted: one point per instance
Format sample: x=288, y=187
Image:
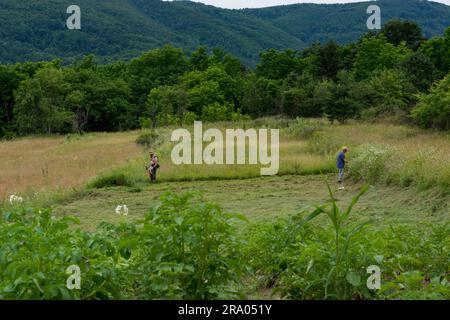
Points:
x=369, y=162
x=189, y=118
x=433, y=109
x=217, y=112
x=113, y=179
x=185, y=248
x=323, y=143
x=188, y=250
x=303, y=128
x=149, y=139
x=36, y=250
x=393, y=92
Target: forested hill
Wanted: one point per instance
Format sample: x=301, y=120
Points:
x=121, y=29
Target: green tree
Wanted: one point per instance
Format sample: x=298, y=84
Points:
x=329, y=62
x=322, y=97
x=155, y=104
x=261, y=97
x=420, y=69
x=9, y=82
x=398, y=31
x=433, y=109
x=393, y=92
x=278, y=64
x=199, y=59
x=208, y=87
x=343, y=106
x=438, y=50
x=217, y=112
x=40, y=104
x=293, y=101
x=156, y=68
x=375, y=53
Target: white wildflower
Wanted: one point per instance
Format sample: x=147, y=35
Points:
x=13, y=199
x=122, y=210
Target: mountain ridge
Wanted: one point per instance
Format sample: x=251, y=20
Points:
x=123, y=29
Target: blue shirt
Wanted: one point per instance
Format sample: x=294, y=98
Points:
x=340, y=161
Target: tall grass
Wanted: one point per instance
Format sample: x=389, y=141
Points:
x=379, y=152
x=57, y=163
x=391, y=154
x=411, y=156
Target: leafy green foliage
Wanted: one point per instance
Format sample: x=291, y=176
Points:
x=375, y=77
x=188, y=250
x=149, y=139
x=437, y=50
x=376, y=53
x=302, y=260
x=433, y=110
x=185, y=248
x=37, y=248
x=125, y=29
x=398, y=31
x=369, y=162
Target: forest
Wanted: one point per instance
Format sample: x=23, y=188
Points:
x=35, y=30
x=394, y=74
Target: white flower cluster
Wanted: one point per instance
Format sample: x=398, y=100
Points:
x=122, y=210
x=13, y=199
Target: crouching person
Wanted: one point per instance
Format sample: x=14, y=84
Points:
x=153, y=166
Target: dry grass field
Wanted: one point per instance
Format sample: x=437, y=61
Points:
x=51, y=163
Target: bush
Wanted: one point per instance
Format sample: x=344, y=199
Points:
x=433, y=109
x=114, y=179
x=189, y=118
x=149, y=139
x=36, y=250
x=369, y=162
x=322, y=143
x=188, y=250
x=393, y=92
x=184, y=249
x=303, y=128
x=217, y=112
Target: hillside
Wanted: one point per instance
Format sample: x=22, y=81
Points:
x=121, y=29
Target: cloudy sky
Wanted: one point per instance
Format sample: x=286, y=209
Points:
x=235, y=4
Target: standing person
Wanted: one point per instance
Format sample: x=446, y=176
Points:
x=153, y=167
x=340, y=164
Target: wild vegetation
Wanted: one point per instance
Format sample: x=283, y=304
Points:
x=43, y=166
x=124, y=29
x=392, y=74
x=319, y=252
x=192, y=250
x=73, y=197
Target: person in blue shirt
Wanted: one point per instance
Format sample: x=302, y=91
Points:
x=340, y=164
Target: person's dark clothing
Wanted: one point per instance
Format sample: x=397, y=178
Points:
x=340, y=161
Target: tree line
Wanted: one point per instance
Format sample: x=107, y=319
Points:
x=392, y=73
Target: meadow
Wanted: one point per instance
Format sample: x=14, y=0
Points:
x=285, y=236
x=61, y=163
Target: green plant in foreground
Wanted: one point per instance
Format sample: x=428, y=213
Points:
x=342, y=241
x=36, y=248
x=302, y=260
x=188, y=249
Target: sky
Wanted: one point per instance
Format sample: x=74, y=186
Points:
x=238, y=4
